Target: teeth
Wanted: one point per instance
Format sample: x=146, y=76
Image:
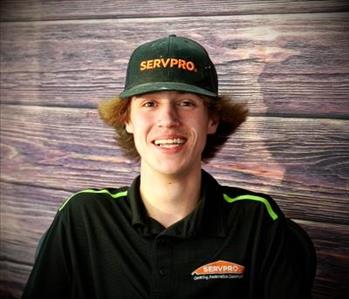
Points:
x=169, y=142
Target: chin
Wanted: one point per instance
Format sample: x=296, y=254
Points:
x=176, y=170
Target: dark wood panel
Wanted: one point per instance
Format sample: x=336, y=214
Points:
x=332, y=248
x=303, y=163
x=28, y=211
x=280, y=64
x=25, y=10
x=274, y=54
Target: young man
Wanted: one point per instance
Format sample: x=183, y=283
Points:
x=175, y=232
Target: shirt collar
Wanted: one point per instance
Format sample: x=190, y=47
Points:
x=208, y=219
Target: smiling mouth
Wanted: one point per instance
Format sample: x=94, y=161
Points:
x=169, y=143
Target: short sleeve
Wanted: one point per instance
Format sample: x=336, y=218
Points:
x=291, y=264
x=50, y=275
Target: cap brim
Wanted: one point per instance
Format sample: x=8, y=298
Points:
x=162, y=86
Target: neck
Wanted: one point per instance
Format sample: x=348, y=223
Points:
x=169, y=199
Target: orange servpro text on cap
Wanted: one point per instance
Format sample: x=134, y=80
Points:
x=171, y=63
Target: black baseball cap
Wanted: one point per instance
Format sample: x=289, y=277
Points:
x=171, y=63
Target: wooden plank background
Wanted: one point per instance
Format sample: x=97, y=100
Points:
x=288, y=59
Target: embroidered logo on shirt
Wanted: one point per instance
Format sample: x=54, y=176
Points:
x=219, y=270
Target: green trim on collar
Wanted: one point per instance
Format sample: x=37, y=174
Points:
x=116, y=195
x=264, y=201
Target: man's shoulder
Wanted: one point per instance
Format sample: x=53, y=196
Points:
x=251, y=200
x=94, y=196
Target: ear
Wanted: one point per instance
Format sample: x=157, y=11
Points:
x=129, y=127
x=212, y=126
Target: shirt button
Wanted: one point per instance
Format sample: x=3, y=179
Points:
x=162, y=271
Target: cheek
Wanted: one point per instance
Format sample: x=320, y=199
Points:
x=138, y=139
x=200, y=132
x=140, y=128
x=136, y=123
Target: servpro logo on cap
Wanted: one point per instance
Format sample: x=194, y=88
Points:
x=170, y=63
x=159, y=63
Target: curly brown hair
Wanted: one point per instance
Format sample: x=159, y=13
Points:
x=231, y=115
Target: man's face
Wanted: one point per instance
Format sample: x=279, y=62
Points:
x=170, y=129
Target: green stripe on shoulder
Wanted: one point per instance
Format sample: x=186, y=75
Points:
x=264, y=201
x=105, y=191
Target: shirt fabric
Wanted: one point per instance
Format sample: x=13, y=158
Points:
x=102, y=244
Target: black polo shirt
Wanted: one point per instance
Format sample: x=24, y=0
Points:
x=103, y=245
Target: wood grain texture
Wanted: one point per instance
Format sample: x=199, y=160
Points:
x=281, y=65
x=30, y=10
x=26, y=212
x=29, y=210
x=332, y=248
x=287, y=59
x=302, y=163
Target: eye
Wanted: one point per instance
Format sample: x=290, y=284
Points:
x=187, y=103
x=148, y=104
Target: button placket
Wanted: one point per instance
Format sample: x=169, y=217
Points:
x=163, y=255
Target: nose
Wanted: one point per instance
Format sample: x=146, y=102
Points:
x=168, y=116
